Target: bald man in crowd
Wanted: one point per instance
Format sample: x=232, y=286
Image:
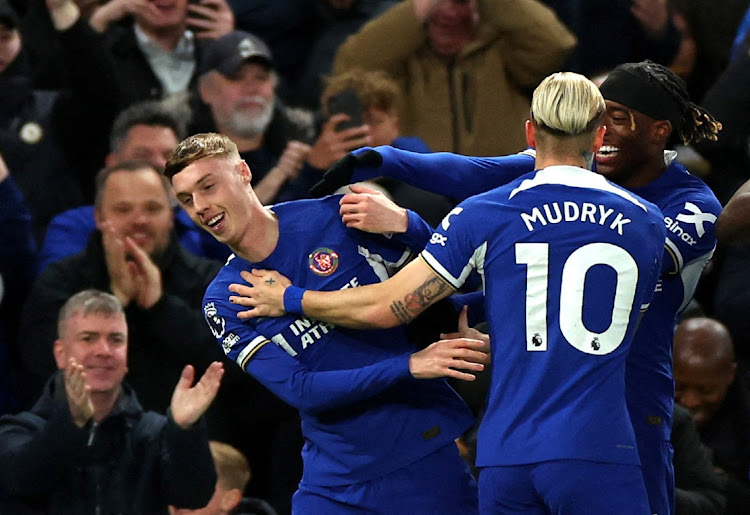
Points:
x=709, y=383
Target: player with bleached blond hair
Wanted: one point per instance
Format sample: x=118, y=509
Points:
x=569, y=260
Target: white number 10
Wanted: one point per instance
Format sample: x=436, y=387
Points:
x=536, y=257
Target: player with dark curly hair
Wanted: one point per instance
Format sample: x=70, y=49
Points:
x=647, y=109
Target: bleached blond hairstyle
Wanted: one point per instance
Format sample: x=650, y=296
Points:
x=567, y=104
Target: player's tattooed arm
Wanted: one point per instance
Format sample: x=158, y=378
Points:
x=381, y=305
x=418, y=300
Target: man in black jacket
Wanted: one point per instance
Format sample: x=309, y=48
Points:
x=87, y=446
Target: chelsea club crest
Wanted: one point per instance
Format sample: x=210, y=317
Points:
x=323, y=261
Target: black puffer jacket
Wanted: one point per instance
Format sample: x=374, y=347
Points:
x=132, y=462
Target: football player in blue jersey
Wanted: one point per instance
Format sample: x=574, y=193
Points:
x=379, y=427
x=568, y=260
x=648, y=108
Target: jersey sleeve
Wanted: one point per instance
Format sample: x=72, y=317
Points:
x=417, y=233
x=691, y=231
x=307, y=390
x=457, y=246
x=452, y=175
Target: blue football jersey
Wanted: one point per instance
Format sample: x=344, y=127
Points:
x=690, y=211
x=363, y=414
x=569, y=260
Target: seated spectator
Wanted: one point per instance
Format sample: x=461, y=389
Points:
x=87, y=445
x=233, y=475
x=146, y=130
x=708, y=384
x=467, y=67
x=381, y=99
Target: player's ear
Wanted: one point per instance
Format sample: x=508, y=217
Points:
x=660, y=131
x=599, y=137
x=98, y=217
x=245, y=172
x=530, y=134
x=230, y=499
x=61, y=357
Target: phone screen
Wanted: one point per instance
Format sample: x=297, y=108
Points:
x=346, y=102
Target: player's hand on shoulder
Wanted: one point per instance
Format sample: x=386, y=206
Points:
x=263, y=293
x=370, y=210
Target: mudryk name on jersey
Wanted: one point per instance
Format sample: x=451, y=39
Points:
x=568, y=211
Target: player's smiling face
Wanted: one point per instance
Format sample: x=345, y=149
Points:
x=624, y=151
x=213, y=191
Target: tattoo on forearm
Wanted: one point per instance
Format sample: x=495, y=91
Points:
x=416, y=301
x=400, y=312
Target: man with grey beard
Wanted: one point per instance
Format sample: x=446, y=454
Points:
x=237, y=97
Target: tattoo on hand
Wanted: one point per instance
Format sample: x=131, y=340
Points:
x=416, y=301
x=270, y=280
